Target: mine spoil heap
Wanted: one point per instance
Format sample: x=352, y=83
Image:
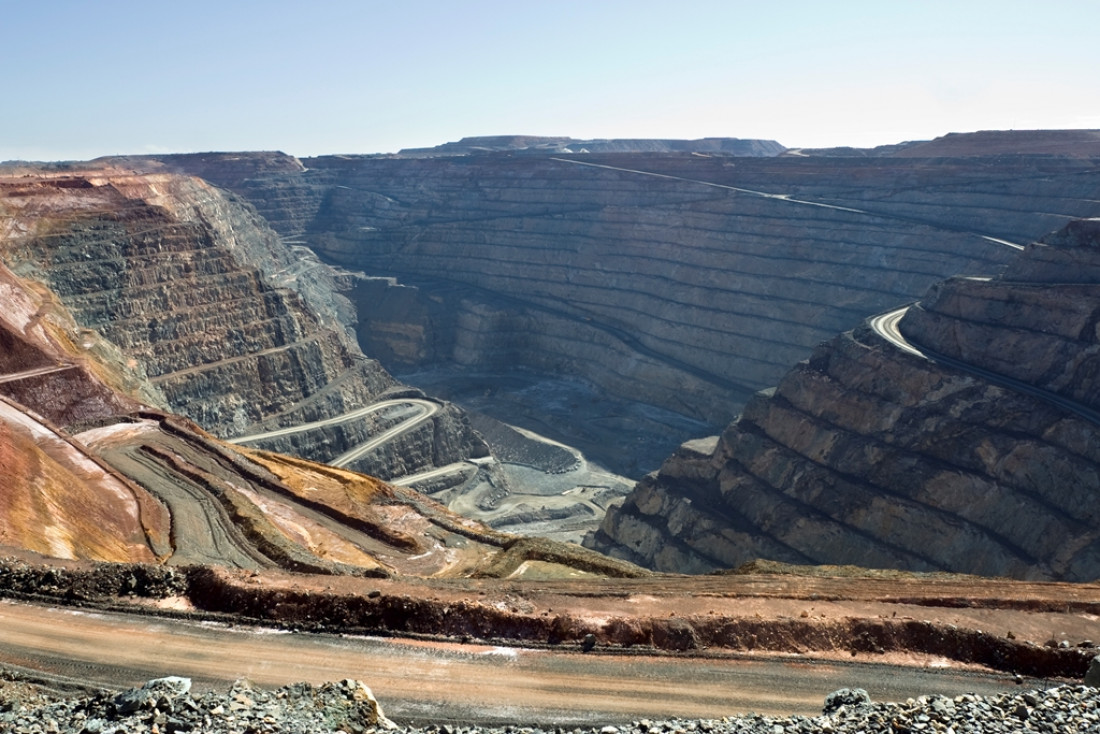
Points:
x=974, y=448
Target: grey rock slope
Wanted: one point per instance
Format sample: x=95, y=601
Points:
x=686, y=281
x=872, y=455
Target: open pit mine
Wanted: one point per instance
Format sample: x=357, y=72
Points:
x=352, y=396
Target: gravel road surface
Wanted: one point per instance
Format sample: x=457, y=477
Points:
x=463, y=683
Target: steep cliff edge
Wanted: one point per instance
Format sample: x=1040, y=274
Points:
x=874, y=454
x=197, y=295
x=679, y=281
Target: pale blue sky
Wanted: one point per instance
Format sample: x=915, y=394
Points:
x=84, y=79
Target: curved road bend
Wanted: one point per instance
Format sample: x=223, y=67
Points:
x=427, y=409
x=886, y=326
x=410, y=479
x=448, y=681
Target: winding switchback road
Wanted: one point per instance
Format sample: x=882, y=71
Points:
x=426, y=409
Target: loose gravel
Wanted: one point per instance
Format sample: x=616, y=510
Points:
x=166, y=706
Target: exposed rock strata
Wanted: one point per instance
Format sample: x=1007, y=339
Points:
x=55, y=497
x=59, y=501
x=91, y=474
x=870, y=455
x=55, y=368
x=208, y=304
x=1038, y=323
x=211, y=315
x=687, y=280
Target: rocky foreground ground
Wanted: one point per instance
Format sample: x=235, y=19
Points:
x=167, y=706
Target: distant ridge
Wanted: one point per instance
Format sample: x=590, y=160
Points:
x=1074, y=143
x=534, y=144
x=1062, y=143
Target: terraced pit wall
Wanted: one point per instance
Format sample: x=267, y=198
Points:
x=871, y=455
x=172, y=273
x=688, y=282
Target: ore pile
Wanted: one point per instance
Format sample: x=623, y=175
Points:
x=166, y=706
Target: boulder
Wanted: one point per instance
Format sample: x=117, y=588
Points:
x=1092, y=677
x=846, y=697
x=157, y=693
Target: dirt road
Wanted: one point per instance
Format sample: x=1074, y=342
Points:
x=438, y=681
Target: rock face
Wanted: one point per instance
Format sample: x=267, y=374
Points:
x=208, y=304
x=1038, y=323
x=58, y=501
x=688, y=281
x=872, y=455
x=684, y=281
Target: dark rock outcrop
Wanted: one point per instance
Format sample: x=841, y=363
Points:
x=871, y=455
